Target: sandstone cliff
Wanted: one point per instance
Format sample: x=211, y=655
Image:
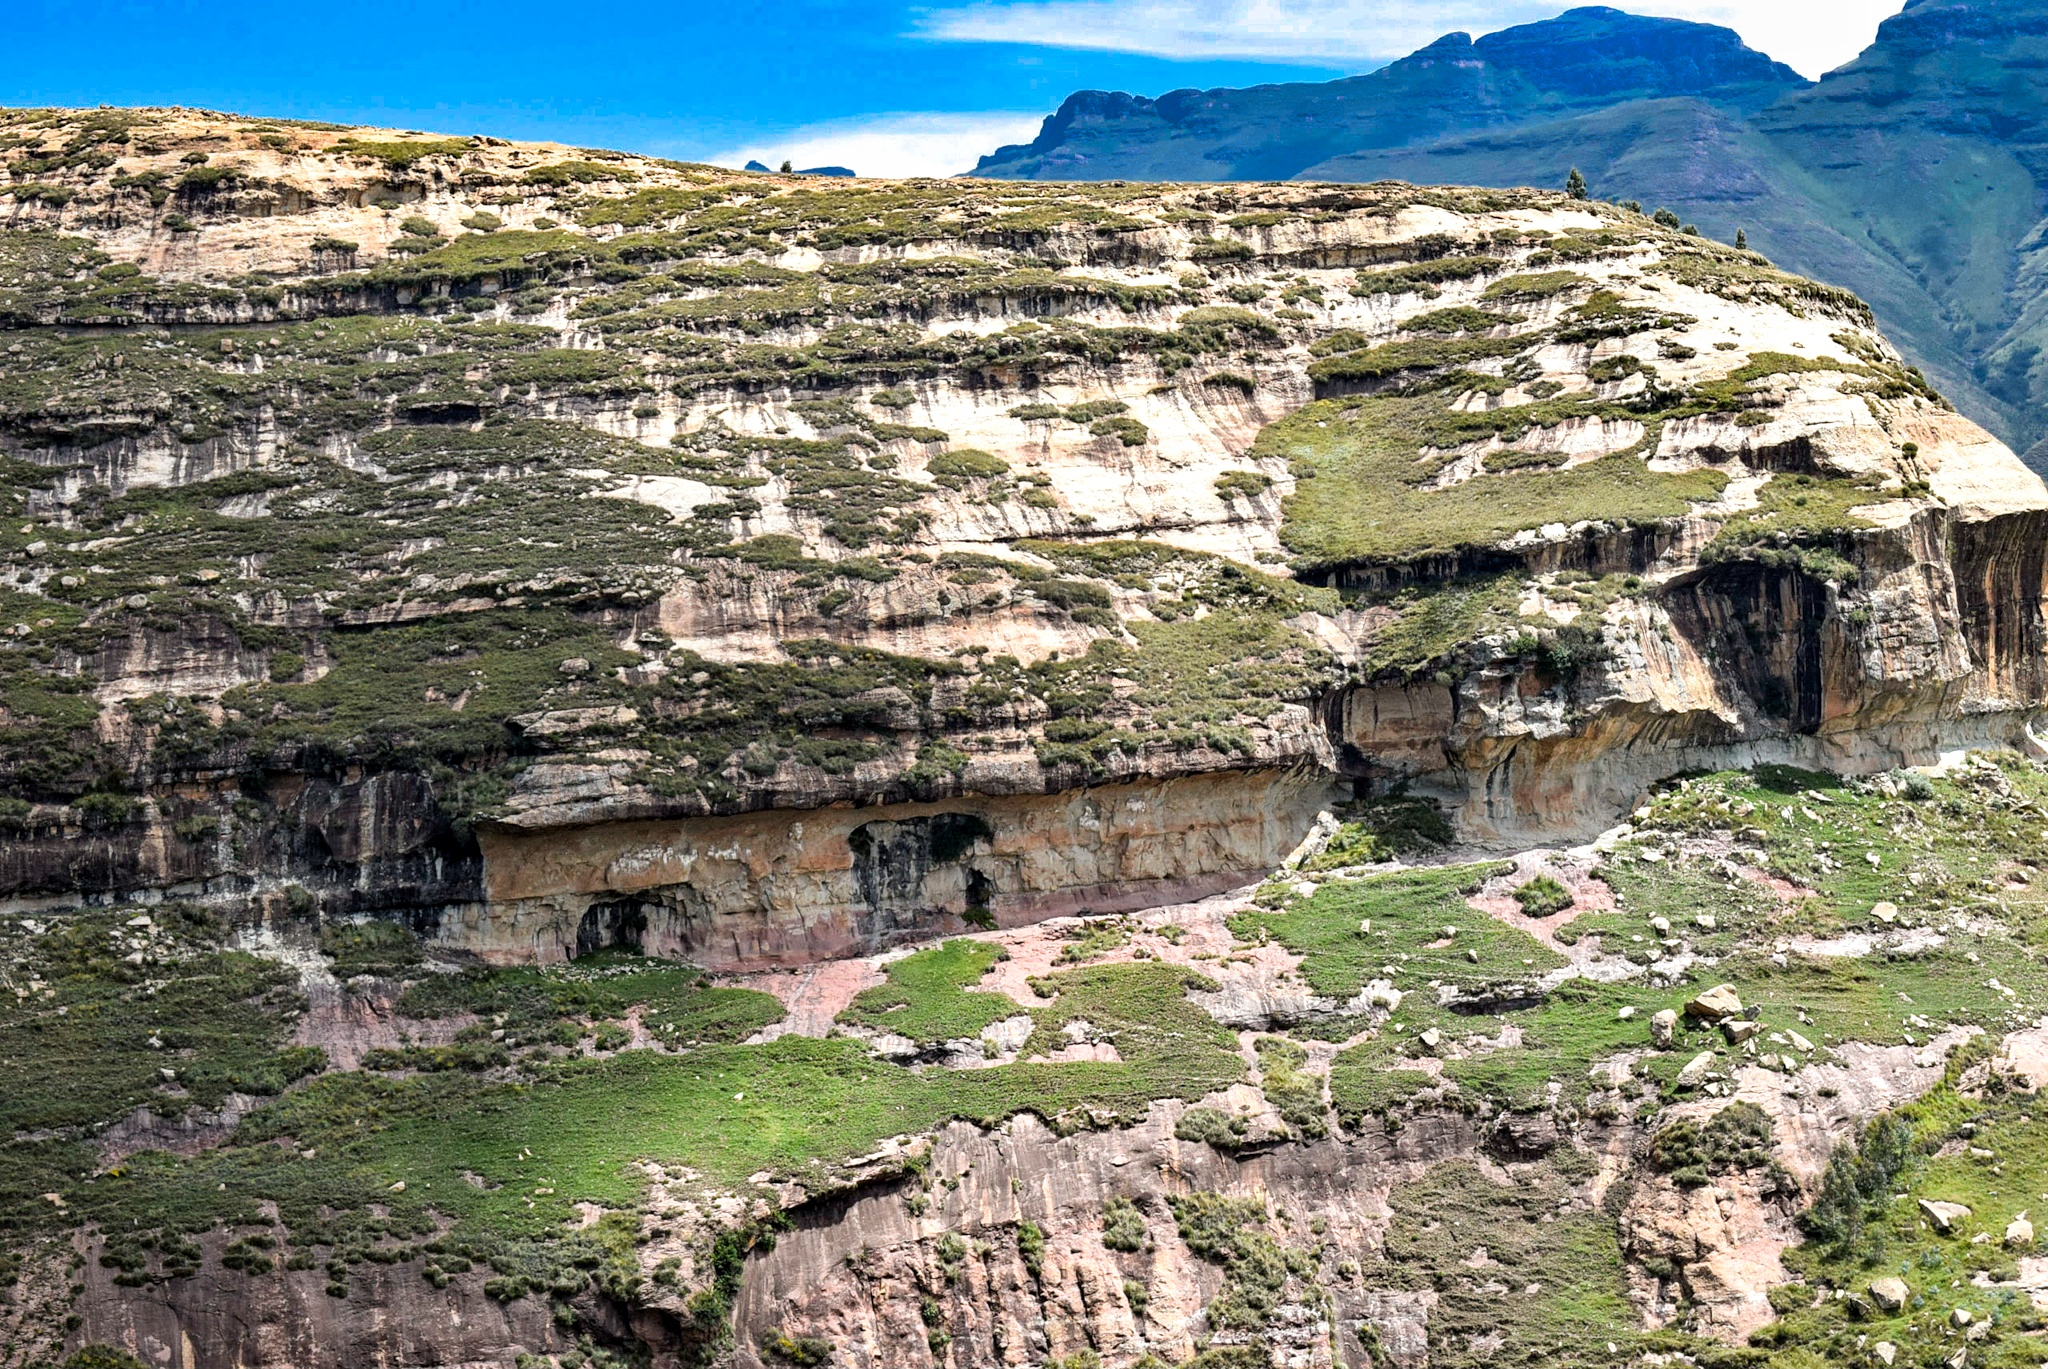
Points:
x=392, y=505
x=517, y=659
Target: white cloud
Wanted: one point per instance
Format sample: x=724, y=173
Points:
x=926, y=144
x=1809, y=37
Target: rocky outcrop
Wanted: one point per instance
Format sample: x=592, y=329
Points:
x=862, y=1274
x=780, y=888
x=1067, y=592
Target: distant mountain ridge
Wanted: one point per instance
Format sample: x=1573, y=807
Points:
x=1585, y=59
x=1914, y=175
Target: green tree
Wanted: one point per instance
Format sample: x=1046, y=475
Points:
x=1575, y=185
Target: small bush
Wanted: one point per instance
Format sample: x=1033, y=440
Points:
x=1542, y=896
x=781, y=1346
x=1242, y=485
x=1736, y=1137
x=369, y=947
x=953, y=469
x=1128, y=431
x=1123, y=1226
x=1210, y=1127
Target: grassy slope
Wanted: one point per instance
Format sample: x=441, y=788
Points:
x=540, y=1104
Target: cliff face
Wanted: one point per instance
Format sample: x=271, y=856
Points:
x=529, y=545
x=605, y=761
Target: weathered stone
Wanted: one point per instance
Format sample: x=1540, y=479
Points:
x=1944, y=1216
x=1889, y=1293
x=1663, y=1027
x=2019, y=1232
x=1695, y=1070
x=1716, y=1003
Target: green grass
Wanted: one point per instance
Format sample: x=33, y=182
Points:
x=675, y=1002
x=1359, y=464
x=1999, y=1169
x=497, y=1164
x=1408, y=911
x=926, y=996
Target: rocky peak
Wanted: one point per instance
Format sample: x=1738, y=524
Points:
x=1603, y=55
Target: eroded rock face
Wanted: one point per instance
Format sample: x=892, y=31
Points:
x=859, y=1274
x=780, y=888
x=1053, y=528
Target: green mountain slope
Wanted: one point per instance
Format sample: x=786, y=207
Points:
x=1585, y=59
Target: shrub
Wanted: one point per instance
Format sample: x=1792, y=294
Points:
x=1128, y=431
x=101, y=1357
x=369, y=947
x=1542, y=896
x=1031, y=1248
x=1857, y=1179
x=1210, y=1127
x=779, y=1345
x=1736, y=1137
x=953, y=469
x=420, y=227
x=577, y=173
x=1123, y=1226
x=201, y=180
x=1242, y=485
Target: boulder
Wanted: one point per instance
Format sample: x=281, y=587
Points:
x=1885, y=911
x=1716, y=1003
x=1695, y=1070
x=1944, y=1216
x=1739, y=1029
x=1885, y=1351
x=1889, y=1293
x=1663, y=1026
x=2019, y=1232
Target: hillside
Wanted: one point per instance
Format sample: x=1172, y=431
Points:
x=1907, y=176
x=607, y=761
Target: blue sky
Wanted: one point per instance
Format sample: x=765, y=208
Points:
x=887, y=87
